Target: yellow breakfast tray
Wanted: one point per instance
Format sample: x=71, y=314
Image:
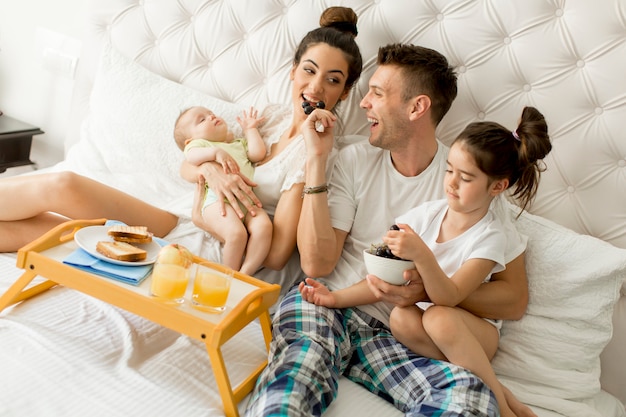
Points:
x=248, y=300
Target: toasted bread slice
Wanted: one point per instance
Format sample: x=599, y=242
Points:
x=121, y=251
x=130, y=234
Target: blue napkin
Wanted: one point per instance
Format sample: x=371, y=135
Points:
x=132, y=274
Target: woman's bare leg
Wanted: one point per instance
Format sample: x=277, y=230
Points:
x=26, y=200
x=15, y=234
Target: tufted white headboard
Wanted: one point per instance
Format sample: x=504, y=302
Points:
x=565, y=57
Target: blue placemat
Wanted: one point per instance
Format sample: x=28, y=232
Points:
x=129, y=274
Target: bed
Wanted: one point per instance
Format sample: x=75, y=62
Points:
x=64, y=353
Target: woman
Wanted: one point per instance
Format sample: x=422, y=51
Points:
x=326, y=65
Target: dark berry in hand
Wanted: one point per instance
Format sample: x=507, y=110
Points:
x=394, y=227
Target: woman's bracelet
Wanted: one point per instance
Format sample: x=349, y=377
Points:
x=314, y=190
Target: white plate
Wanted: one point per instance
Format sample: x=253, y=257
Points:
x=88, y=237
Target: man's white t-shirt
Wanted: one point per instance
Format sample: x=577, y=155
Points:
x=367, y=194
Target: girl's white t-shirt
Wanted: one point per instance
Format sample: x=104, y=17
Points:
x=484, y=240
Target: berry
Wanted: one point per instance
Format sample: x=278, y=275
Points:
x=382, y=250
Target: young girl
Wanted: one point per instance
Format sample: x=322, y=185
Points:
x=456, y=244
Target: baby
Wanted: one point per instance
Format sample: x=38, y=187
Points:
x=205, y=137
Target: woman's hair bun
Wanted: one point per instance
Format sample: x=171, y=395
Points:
x=341, y=18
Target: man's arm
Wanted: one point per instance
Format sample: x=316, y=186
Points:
x=505, y=297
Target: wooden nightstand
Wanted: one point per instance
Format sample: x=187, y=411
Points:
x=15, y=140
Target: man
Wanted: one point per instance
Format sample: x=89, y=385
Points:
x=402, y=165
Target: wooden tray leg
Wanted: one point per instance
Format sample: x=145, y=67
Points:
x=266, y=326
x=17, y=293
x=231, y=397
x=223, y=382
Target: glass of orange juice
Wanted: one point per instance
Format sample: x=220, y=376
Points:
x=169, y=282
x=211, y=288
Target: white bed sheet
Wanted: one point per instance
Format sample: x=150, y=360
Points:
x=59, y=348
x=67, y=354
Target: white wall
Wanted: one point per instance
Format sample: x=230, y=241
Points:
x=28, y=91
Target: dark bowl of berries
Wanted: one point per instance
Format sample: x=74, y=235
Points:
x=380, y=261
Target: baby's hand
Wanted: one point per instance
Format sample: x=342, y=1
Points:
x=229, y=165
x=250, y=120
x=316, y=293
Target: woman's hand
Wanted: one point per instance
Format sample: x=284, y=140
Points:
x=232, y=187
x=401, y=295
x=318, y=134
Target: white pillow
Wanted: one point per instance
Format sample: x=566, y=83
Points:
x=127, y=137
x=551, y=357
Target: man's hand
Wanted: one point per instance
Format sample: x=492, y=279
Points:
x=400, y=295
